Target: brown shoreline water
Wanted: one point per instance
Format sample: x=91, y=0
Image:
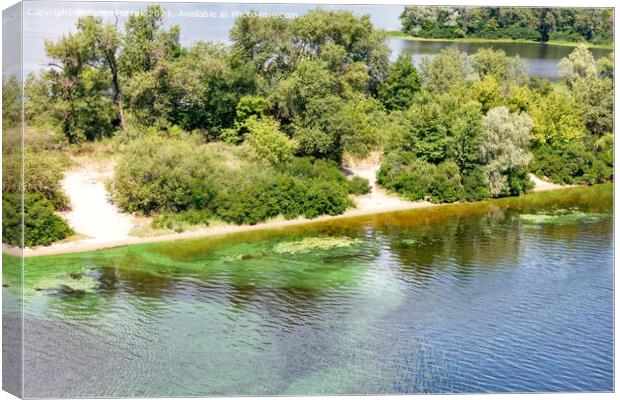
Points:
x=353, y=215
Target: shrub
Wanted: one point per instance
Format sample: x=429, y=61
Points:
x=268, y=141
x=474, y=186
x=182, y=220
x=326, y=198
x=359, y=186
x=41, y=226
x=572, y=163
x=162, y=174
x=43, y=173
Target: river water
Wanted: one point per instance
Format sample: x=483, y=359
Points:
x=499, y=296
x=540, y=59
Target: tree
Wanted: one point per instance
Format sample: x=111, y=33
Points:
x=11, y=102
x=578, y=64
x=78, y=86
x=146, y=43
x=594, y=98
x=339, y=38
x=400, y=85
x=268, y=141
x=445, y=69
x=197, y=91
x=557, y=118
x=108, y=42
x=311, y=80
x=504, y=149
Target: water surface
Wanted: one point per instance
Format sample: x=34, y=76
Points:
x=541, y=59
x=499, y=296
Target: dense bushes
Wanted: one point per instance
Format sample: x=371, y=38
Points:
x=162, y=175
x=43, y=191
x=416, y=179
x=41, y=225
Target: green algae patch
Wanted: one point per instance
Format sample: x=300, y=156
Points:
x=560, y=218
x=310, y=244
x=67, y=283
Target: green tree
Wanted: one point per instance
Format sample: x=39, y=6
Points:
x=108, y=42
x=146, y=43
x=268, y=141
x=400, y=85
x=11, y=102
x=557, y=118
x=445, y=69
x=79, y=90
x=506, y=137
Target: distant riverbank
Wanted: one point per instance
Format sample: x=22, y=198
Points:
x=400, y=35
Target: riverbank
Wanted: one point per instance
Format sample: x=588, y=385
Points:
x=376, y=202
x=400, y=35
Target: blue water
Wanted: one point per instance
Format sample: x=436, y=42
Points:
x=489, y=297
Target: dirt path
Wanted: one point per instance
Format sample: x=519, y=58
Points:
x=93, y=216
x=540, y=185
x=378, y=199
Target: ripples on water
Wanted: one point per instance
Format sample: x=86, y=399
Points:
x=461, y=299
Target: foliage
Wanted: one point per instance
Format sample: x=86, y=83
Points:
x=268, y=141
x=11, y=102
x=445, y=69
x=400, y=85
x=557, y=118
x=41, y=226
x=358, y=186
x=416, y=179
x=540, y=24
x=168, y=176
x=506, y=136
x=157, y=173
x=338, y=38
x=183, y=220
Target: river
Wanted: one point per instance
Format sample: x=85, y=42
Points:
x=540, y=59
x=509, y=295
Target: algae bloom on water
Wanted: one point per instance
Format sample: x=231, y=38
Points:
x=561, y=217
x=309, y=244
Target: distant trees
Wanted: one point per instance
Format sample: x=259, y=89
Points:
x=540, y=24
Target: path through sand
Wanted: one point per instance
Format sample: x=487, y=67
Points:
x=378, y=199
x=92, y=212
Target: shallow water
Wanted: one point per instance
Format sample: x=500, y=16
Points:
x=508, y=295
x=540, y=59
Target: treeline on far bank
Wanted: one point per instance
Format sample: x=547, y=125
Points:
x=260, y=128
x=592, y=25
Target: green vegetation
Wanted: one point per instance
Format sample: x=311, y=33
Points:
x=258, y=129
x=41, y=225
x=592, y=25
x=478, y=125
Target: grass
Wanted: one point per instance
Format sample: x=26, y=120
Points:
x=401, y=35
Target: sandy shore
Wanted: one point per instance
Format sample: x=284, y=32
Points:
x=101, y=224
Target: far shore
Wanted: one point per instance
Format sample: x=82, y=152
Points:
x=401, y=35
x=362, y=210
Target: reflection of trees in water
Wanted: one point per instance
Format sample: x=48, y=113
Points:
x=463, y=245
